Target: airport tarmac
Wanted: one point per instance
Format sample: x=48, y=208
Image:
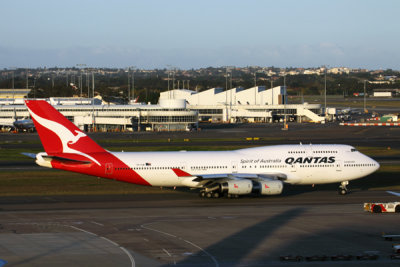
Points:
x=184, y=230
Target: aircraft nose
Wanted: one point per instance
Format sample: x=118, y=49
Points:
x=374, y=164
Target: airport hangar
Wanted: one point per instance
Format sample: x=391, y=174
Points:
x=256, y=104
x=177, y=110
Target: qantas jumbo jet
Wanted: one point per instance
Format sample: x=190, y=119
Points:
x=260, y=170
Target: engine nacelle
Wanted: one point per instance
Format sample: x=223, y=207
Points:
x=273, y=187
x=237, y=187
x=244, y=187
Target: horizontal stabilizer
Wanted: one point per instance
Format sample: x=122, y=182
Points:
x=31, y=155
x=66, y=160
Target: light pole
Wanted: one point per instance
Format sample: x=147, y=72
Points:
x=34, y=86
x=12, y=83
x=169, y=68
x=92, y=101
x=12, y=80
x=129, y=85
x=168, y=84
x=325, y=94
x=365, y=96
x=80, y=80
x=133, y=81
x=87, y=82
x=285, y=127
x=27, y=85
x=228, y=73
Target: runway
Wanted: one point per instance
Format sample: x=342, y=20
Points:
x=184, y=230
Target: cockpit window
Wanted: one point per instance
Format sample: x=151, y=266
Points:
x=353, y=150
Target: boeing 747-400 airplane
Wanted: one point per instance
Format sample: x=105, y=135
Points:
x=260, y=170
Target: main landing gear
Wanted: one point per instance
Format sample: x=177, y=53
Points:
x=216, y=194
x=343, y=188
x=213, y=194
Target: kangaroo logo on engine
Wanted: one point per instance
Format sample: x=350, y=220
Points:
x=315, y=160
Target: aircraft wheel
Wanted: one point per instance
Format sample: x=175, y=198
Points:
x=202, y=194
x=236, y=196
x=216, y=195
x=377, y=209
x=342, y=191
x=208, y=195
x=397, y=209
x=228, y=195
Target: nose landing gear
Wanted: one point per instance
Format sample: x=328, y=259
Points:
x=343, y=188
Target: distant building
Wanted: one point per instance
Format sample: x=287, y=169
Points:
x=14, y=93
x=386, y=92
x=339, y=70
x=169, y=115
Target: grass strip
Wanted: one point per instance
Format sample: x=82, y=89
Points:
x=55, y=182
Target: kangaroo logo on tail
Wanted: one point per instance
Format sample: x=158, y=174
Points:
x=76, y=137
x=66, y=136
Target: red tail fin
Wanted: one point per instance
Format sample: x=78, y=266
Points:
x=57, y=133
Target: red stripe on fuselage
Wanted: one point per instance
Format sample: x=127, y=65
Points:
x=181, y=173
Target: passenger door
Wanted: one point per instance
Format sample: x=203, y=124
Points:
x=234, y=166
x=109, y=168
x=338, y=165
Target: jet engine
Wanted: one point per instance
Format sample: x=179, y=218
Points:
x=245, y=186
x=237, y=187
x=273, y=187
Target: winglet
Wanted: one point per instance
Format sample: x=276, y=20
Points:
x=181, y=173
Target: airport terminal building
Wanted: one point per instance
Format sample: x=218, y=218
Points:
x=177, y=110
x=256, y=104
x=92, y=115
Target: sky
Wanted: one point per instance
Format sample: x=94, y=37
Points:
x=194, y=34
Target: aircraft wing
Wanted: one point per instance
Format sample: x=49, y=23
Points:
x=264, y=175
x=238, y=176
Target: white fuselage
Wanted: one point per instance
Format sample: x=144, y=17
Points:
x=299, y=164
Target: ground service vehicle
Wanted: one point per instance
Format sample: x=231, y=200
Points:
x=382, y=207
